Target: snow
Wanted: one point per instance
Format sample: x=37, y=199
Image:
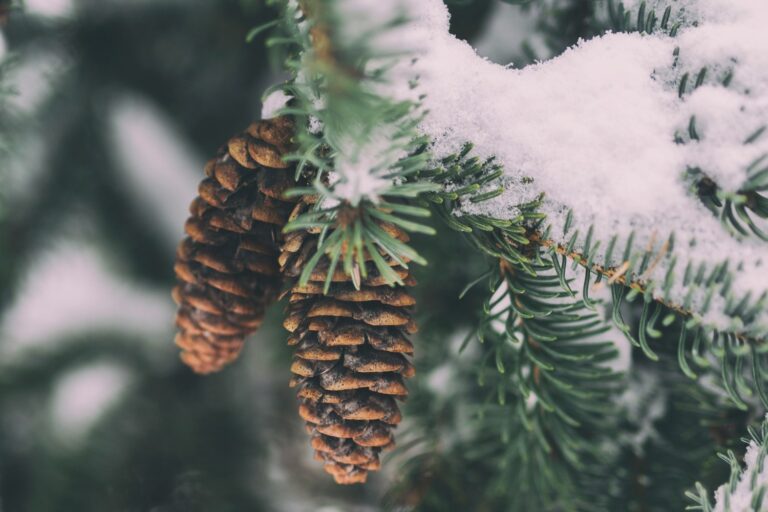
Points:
x=556, y=134
x=361, y=169
x=70, y=290
x=83, y=395
x=595, y=130
x=732, y=120
x=752, y=478
x=600, y=129
x=644, y=402
x=50, y=8
x=276, y=100
x=35, y=78
x=159, y=167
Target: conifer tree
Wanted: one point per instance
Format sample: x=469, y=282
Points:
x=616, y=192
x=511, y=286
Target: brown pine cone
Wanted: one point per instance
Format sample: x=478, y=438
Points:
x=227, y=266
x=350, y=358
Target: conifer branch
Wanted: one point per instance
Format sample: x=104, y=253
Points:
x=747, y=487
x=525, y=241
x=331, y=91
x=542, y=396
x=618, y=275
x=338, y=115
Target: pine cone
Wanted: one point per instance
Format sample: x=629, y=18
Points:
x=350, y=359
x=227, y=266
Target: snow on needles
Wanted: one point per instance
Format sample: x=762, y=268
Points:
x=738, y=498
x=595, y=129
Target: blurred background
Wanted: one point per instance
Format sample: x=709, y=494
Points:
x=116, y=105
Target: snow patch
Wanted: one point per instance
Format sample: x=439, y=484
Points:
x=35, y=78
x=276, y=100
x=83, y=395
x=70, y=290
x=754, y=476
x=160, y=168
x=595, y=130
x=361, y=168
x=50, y=8
x=644, y=402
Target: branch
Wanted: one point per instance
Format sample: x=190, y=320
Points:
x=747, y=488
x=356, y=149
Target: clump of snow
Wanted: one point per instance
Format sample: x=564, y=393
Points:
x=362, y=168
x=728, y=42
x=726, y=119
x=276, y=100
x=595, y=129
x=753, y=478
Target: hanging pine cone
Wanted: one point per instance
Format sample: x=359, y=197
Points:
x=227, y=266
x=350, y=359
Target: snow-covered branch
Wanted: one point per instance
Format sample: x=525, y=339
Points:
x=611, y=132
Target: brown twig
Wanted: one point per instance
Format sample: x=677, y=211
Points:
x=619, y=275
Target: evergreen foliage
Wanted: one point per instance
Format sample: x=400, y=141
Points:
x=557, y=381
x=747, y=487
x=543, y=410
